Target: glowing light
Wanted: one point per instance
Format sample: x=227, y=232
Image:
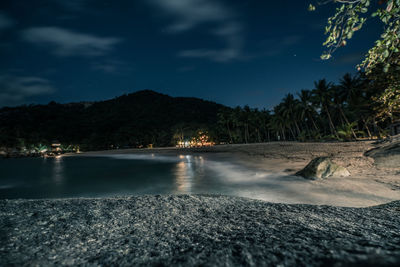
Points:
x=184, y=175
x=58, y=170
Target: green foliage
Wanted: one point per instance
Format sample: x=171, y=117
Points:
x=303, y=136
x=330, y=137
x=387, y=102
x=243, y=125
x=41, y=148
x=346, y=131
x=351, y=16
x=67, y=148
x=323, y=113
x=315, y=135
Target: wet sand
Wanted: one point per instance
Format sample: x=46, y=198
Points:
x=367, y=185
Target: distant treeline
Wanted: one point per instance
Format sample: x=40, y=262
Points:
x=132, y=120
x=348, y=110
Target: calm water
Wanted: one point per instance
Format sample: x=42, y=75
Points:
x=121, y=175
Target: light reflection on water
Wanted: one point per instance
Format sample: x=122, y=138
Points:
x=186, y=170
x=184, y=177
x=58, y=170
x=139, y=174
x=189, y=169
x=127, y=174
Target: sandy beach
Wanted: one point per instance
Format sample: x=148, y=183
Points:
x=367, y=185
x=215, y=230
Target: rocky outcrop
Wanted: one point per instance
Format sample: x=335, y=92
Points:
x=321, y=168
x=195, y=231
x=387, y=155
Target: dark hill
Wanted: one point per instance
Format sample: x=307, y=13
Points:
x=130, y=120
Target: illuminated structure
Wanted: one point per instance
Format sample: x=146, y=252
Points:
x=56, y=146
x=202, y=139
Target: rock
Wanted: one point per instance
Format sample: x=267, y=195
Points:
x=387, y=155
x=322, y=167
x=195, y=230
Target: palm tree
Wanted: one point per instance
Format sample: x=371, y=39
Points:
x=277, y=123
x=224, y=118
x=41, y=148
x=290, y=105
x=346, y=131
x=245, y=119
x=353, y=93
x=306, y=108
x=237, y=123
x=265, y=117
x=349, y=88
x=255, y=122
x=322, y=93
x=338, y=100
x=66, y=148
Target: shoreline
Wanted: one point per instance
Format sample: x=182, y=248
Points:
x=272, y=167
x=285, y=153
x=367, y=184
x=192, y=230
x=231, y=147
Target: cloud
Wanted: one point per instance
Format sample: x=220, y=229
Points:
x=222, y=55
x=16, y=90
x=66, y=43
x=189, y=14
x=5, y=22
x=105, y=67
x=112, y=66
x=231, y=33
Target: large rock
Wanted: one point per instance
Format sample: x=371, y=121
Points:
x=322, y=167
x=387, y=155
x=195, y=231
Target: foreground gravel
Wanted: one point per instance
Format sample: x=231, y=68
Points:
x=195, y=230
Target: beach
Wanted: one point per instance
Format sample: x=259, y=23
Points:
x=367, y=184
x=338, y=221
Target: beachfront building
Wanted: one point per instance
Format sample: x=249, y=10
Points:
x=56, y=146
x=201, y=139
x=183, y=144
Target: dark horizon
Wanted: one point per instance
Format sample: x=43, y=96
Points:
x=229, y=52
x=139, y=92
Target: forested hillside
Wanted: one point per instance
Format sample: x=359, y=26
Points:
x=132, y=120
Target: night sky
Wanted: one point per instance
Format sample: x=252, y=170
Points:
x=233, y=52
